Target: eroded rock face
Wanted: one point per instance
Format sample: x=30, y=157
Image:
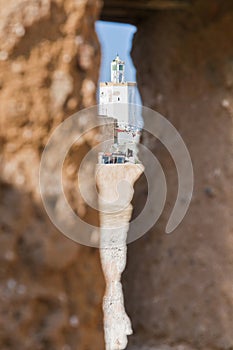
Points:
x=179, y=287
x=51, y=288
x=115, y=213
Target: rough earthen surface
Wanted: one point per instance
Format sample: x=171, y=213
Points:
x=51, y=288
x=179, y=286
x=116, y=210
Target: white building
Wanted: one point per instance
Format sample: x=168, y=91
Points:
x=117, y=98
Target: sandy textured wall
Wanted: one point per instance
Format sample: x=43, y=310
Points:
x=179, y=287
x=51, y=288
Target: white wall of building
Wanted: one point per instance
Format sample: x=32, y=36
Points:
x=111, y=95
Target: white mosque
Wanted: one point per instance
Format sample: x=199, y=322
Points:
x=117, y=100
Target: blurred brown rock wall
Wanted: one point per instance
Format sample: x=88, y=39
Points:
x=179, y=286
x=50, y=287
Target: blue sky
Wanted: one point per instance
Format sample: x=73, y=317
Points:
x=116, y=38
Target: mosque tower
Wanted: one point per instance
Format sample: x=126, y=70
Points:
x=117, y=97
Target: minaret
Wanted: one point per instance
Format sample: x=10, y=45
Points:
x=117, y=70
x=118, y=91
